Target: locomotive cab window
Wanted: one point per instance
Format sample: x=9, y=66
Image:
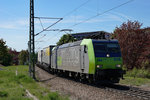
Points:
x=113, y=48
x=103, y=48
x=100, y=48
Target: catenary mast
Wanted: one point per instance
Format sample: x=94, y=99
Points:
x=31, y=42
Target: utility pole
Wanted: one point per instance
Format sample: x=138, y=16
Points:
x=31, y=46
x=31, y=42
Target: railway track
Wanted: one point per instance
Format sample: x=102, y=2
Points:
x=130, y=91
x=120, y=89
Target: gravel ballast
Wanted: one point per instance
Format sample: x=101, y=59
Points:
x=76, y=90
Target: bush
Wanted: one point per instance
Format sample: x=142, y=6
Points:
x=146, y=65
x=3, y=94
x=139, y=73
x=23, y=57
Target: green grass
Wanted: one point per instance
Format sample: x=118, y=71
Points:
x=134, y=81
x=138, y=73
x=137, y=77
x=10, y=88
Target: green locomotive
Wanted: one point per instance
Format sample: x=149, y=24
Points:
x=105, y=61
x=94, y=60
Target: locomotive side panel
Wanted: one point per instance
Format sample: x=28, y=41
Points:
x=69, y=58
x=40, y=56
x=54, y=59
x=73, y=58
x=46, y=56
x=47, y=52
x=84, y=59
x=50, y=55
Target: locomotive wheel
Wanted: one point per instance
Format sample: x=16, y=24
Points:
x=91, y=79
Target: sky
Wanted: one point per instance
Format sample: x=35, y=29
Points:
x=14, y=18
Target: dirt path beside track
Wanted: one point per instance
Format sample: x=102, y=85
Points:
x=1, y=69
x=76, y=90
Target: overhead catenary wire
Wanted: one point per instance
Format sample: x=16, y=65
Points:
x=48, y=27
x=46, y=18
x=41, y=24
x=98, y=14
x=67, y=14
x=53, y=37
x=102, y=13
x=40, y=39
x=76, y=8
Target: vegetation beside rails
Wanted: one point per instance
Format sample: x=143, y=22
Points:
x=138, y=73
x=137, y=77
x=135, y=81
x=14, y=87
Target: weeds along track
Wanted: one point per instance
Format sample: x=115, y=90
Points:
x=1, y=69
x=117, y=89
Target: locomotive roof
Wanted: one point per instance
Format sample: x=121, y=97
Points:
x=70, y=44
x=104, y=40
x=79, y=42
x=49, y=46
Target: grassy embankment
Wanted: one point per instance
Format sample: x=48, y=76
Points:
x=137, y=77
x=14, y=87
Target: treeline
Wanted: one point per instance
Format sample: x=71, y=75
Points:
x=9, y=56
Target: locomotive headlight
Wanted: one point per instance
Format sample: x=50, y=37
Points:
x=99, y=66
x=107, y=55
x=118, y=65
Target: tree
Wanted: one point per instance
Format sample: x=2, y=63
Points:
x=66, y=39
x=5, y=57
x=14, y=55
x=23, y=57
x=133, y=42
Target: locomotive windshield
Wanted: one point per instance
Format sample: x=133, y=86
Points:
x=113, y=48
x=103, y=48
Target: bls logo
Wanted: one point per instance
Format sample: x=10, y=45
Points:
x=99, y=60
x=117, y=59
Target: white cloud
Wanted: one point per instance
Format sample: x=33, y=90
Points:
x=7, y=26
x=17, y=24
x=24, y=23
x=115, y=16
x=121, y=15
